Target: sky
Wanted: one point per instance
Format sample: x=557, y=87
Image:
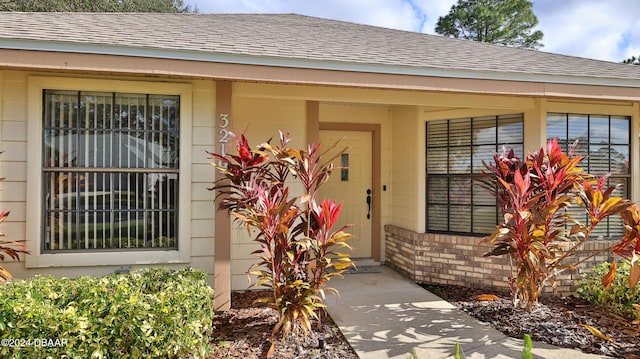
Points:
x=598, y=29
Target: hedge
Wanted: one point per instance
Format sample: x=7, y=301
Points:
x=150, y=313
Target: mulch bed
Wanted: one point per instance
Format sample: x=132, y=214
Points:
x=244, y=332
x=556, y=321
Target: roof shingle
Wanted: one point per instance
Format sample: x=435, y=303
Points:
x=290, y=36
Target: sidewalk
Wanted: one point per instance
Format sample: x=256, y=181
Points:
x=385, y=315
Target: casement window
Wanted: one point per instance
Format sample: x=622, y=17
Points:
x=604, y=142
x=456, y=149
x=110, y=171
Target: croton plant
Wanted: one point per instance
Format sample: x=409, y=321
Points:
x=300, y=248
x=539, y=234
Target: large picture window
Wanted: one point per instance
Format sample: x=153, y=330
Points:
x=456, y=150
x=604, y=142
x=110, y=171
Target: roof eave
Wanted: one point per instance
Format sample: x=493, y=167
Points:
x=188, y=55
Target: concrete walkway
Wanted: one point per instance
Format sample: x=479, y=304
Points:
x=385, y=315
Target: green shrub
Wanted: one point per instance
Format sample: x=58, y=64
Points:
x=150, y=313
x=618, y=298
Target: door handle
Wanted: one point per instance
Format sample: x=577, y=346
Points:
x=369, y=203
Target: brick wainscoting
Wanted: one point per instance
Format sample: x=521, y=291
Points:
x=449, y=259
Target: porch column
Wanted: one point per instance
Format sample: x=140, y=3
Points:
x=535, y=126
x=313, y=122
x=222, y=254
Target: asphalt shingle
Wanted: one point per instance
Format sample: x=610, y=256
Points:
x=290, y=36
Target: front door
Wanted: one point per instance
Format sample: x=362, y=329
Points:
x=350, y=183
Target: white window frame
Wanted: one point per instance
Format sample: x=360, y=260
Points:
x=37, y=259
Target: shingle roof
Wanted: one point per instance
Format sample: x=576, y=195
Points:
x=290, y=36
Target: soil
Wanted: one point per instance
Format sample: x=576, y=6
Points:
x=245, y=330
x=557, y=320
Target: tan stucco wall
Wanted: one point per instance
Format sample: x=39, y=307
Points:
x=14, y=163
x=407, y=172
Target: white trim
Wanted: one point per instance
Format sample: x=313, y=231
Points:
x=36, y=85
x=302, y=63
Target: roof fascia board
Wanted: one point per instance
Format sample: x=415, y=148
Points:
x=49, y=46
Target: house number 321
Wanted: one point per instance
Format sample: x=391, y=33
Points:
x=223, y=134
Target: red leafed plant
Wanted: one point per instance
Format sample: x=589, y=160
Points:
x=628, y=247
x=9, y=248
x=299, y=246
x=539, y=234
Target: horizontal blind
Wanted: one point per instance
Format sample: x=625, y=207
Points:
x=456, y=152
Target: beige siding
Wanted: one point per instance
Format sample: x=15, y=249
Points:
x=14, y=115
x=202, y=208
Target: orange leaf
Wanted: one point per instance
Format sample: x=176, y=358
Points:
x=607, y=280
x=486, y=297
x=272, y=351
x=597, y=333
x=634, y=274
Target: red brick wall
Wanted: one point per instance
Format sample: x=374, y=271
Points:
x=451, y=259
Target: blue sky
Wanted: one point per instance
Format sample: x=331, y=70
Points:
x=598, y=29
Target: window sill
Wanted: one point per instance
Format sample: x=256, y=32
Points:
x=80, y=259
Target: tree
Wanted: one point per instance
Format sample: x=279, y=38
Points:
x=175, y=6
x=504, y=22
x=632, y=60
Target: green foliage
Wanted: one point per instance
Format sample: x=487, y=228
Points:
x=538, y=232
x=628, y=247
x=97, y=6
x=458, y=353
x=504, y=22
x=151, y=313
x=618, y=298
x=528, y=346
x=632, y=60
x=299, y=248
